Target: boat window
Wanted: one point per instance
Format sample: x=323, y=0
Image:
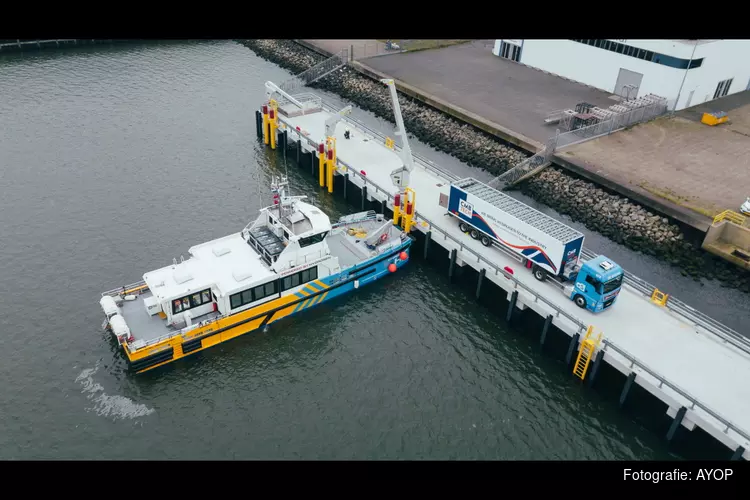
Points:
x=190, y=301
x=195, y=300
x=299, y=278
x=310, y=240
x=235, y=300
x=251, y=295
x=286, y=235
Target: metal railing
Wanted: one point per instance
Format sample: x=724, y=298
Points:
x=664, y=382
x=731, y=216
x=316, y=72
x=308, y=100
x=614, y=123
x=541, y=159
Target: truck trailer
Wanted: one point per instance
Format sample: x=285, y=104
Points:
x=546, y=246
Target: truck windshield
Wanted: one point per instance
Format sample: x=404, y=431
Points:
x=613, y=284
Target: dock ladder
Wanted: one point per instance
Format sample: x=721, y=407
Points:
x=588, y=347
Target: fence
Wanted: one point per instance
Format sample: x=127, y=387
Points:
x=615, y=122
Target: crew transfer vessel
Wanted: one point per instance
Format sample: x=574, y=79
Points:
x=289, y=259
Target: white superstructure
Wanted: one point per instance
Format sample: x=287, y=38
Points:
x=686, y=72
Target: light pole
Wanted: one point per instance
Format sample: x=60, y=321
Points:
x=695, y=45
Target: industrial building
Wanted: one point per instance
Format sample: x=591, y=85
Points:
x=686, y=72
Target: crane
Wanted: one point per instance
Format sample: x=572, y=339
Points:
x=334, y=119
x=400, y=176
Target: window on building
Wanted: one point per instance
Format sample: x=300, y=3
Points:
x=722, y=88
x=647, y=55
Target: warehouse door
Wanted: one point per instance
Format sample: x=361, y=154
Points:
x=628, y=83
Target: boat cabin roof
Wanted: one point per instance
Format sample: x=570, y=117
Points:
x=227, y=264
x=302, y=218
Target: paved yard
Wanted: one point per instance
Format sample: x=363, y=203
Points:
x=705, y=169
x=509, y=94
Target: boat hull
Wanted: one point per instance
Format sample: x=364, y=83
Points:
x=311, y=295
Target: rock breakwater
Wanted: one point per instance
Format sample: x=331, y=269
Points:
x=609, y=214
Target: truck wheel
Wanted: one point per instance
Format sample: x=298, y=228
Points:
x=463, y=227
x=539, y=273
x=474, y=234
x=580, y=301
x=485, y=241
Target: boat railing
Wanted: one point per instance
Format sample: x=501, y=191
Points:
x=138, y=286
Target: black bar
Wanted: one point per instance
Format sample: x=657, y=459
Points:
x=454, y=252
x=626, y=388
x=259, y=124
x=479, y=282
x=364, y=196
x=427, y=238
x=346, y=181
x=299, y=147
x=598, y=361
x=512, y=305
x=545, y=328
x=571, y=347
x=676, y=423
x=738, y=453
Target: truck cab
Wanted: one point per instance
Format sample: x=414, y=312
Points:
x=596, y=284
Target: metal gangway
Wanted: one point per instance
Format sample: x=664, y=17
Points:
x=528, y=167
x=315, y=72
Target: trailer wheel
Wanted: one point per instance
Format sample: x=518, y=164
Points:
x=580, y=301
x=474, y=234
x=485, y=241
x=539, y=273
x=463, y=227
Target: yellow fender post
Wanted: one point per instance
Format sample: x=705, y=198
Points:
x=411, y=206
x=265, y=125
x=396, y=208
x=322, y=165
x=331, y=162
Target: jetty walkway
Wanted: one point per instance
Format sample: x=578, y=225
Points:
x=695, y=365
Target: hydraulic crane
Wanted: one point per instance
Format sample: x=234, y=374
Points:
x=400, y=176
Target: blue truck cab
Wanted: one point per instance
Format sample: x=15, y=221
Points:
x=597, y=284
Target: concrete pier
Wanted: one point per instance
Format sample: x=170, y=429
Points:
x=684, y=359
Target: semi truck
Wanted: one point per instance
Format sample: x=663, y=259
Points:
x=546, y=246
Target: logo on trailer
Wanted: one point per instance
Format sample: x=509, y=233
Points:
x=466, y=208
x=581, y=287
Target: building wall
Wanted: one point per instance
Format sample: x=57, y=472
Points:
x=722, y=60
x=600, y=68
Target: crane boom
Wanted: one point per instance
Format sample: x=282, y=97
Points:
x=272, y=87
x=400, y=176
x=334, y=119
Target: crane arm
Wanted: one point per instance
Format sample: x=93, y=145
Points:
x=271, y=88
x=400, y=176
x=400, y=129
x=334, y=119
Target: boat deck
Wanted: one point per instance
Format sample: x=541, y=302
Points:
x=146, y=327
x=681, y=362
